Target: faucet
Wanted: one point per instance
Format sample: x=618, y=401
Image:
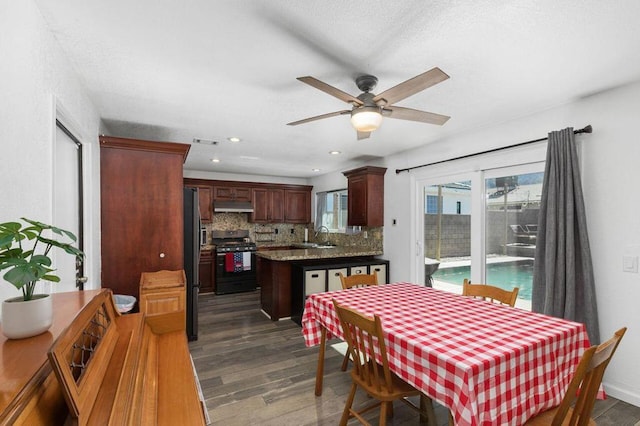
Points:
x=320, y=228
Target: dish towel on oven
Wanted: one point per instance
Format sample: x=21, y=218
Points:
x=237, y=262
x=246, y=261
x=228, y=262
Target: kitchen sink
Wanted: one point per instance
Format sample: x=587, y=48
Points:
x=313, y=245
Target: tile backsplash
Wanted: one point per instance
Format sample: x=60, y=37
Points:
x=286, y=233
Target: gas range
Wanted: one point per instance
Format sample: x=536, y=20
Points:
x=235, y=261
x=235, y=246
x=232, y=241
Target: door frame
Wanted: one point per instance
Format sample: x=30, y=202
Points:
x=475, y=168
x=63, y=120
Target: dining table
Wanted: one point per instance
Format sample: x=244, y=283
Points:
x=489, y=364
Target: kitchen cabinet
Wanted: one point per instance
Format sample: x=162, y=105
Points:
x=365, y=196
x=272, y=203
x=297, y=206
x=275, y=205
x=141, y=198
x=206, y=269
x=268, y=205
x=274, y=279
x=232, y=193
x=205, y=199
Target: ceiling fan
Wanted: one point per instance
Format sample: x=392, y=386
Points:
x=368, y=108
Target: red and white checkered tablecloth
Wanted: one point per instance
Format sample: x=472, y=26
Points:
x=490, y=364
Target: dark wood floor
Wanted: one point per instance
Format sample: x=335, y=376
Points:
x=254, y=371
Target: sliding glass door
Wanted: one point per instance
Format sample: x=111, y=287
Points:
x=481, y=226
x=447, y=226
x=511, y=224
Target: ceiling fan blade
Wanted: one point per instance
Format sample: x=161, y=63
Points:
x=319, y=117
x=326, y=88
x=363, y=135
x=411, y=86
x=414, y=115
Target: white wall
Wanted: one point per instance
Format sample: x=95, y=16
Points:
x=34, y=77
x=610, y=174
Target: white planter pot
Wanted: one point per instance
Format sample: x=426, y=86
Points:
x=22, y=319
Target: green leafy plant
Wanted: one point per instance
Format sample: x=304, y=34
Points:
x=24, y=253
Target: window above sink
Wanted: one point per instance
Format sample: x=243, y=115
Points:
x=331, y=210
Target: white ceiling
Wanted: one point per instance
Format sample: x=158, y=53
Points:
x=174, y=70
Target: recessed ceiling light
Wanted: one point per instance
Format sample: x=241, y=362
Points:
x=215, y=160
x=334, y=152
x=315, y=170
x=234, y=139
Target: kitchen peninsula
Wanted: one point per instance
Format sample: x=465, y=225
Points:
x=283, y=274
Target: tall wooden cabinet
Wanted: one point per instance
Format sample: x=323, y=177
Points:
x=142, y=216
x=365, y=196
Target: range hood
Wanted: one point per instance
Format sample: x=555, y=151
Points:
x=232, y=207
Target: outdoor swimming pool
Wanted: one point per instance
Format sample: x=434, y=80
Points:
x=506, y=275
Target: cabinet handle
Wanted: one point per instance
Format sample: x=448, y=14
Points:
x=337, y=274
x=377, y=269
x=162, y=255
x=358, y=271
x=314, y=275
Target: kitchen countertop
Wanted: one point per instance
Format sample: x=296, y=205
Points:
x=318, y=253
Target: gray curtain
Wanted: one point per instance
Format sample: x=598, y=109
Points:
x=563, y=284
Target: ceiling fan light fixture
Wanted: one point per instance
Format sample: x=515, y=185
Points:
x=366, y=119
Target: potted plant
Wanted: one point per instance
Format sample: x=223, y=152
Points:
x=24, y=256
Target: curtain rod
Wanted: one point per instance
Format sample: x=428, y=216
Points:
x=586, y=129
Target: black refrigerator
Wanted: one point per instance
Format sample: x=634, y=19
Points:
x=192, y=258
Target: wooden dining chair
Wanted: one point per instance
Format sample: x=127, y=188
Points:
x=371, y=370
x=583, y=388
x=358, y=280
x=490, y=292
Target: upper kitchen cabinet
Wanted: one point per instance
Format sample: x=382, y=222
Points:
x=205, y=200
x=141, y=201
x=365, y=196
x=232, y=193
x=297, y=205
x=274, y=203
x=268, y=205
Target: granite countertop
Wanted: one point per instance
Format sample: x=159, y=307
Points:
x=317, y=253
